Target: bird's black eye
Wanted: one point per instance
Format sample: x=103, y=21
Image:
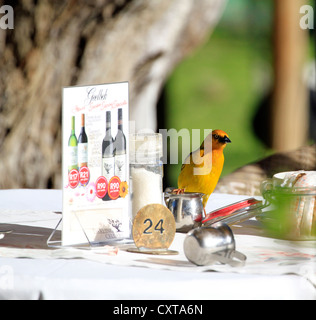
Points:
x=216, y=136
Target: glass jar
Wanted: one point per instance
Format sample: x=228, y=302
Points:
x=293, y=198
x=146, y=170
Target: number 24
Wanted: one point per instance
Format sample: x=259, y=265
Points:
x=158, y=226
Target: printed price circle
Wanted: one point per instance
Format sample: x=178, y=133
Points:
x=84, y=176
x=101, y=187
x=73, y=178
x=154, y=227
x=114, y=187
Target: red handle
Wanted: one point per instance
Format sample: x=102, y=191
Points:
x=223, y=212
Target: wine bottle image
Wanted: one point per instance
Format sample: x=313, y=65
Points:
x=82, y=145
x=120, y=149
x=108, y=163
x=72, y=148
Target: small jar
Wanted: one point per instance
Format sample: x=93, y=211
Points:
x=146, y=170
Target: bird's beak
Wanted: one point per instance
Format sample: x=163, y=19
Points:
x=225, y=140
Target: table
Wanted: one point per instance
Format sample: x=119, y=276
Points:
x=275, y=269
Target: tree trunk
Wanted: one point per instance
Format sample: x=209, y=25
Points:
x=248, y=179
x=289, y=116
x=65, y=43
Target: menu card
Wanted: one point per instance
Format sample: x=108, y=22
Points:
x=95, y=164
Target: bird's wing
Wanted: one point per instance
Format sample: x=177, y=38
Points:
x=189, y=160
x=187, y=169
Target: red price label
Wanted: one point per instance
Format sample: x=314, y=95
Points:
x=101, y=186
x=84, y=176
x=73, y=178
x=114, y=188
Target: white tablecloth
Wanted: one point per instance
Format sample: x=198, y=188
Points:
x=275, y=269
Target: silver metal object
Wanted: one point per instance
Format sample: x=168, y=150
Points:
x=209, y=245
x=237, y=216
x=187, y=209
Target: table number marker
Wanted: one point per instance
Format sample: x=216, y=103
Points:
x=154, y=229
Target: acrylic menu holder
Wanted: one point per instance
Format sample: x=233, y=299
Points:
x=95, y=169
x=52, y=242
x=55, y=239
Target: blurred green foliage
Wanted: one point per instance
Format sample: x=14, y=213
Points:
x=221, y=85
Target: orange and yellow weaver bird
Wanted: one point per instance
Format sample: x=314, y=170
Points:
x=202, y=168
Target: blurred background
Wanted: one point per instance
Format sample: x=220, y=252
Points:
x=228, y=84
x=243, y=66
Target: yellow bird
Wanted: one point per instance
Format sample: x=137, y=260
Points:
x=202, y=169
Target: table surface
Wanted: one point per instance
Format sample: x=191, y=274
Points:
x=275, y=269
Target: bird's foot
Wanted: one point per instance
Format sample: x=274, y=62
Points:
x=178, y=191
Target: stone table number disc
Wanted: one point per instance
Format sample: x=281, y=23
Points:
x=154, y=229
